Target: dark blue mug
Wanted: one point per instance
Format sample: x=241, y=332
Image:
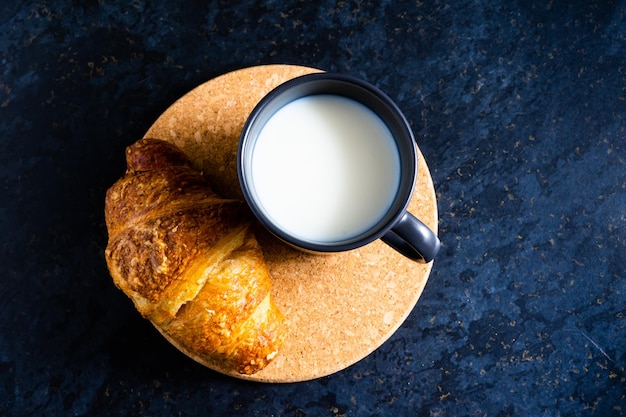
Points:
x=327, y=163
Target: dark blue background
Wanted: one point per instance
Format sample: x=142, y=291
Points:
x=518, y=106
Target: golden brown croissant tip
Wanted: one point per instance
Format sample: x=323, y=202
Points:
x=148, y=154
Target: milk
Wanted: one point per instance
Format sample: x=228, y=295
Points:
x=325, y=168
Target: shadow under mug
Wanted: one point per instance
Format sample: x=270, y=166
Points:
x=396, y=226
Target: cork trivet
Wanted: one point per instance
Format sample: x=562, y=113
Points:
x=340, y=307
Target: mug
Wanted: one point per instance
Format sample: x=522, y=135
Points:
x=327, y=163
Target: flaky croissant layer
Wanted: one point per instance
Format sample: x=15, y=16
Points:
x=190, y=262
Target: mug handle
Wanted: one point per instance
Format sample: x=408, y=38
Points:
x=413, y=239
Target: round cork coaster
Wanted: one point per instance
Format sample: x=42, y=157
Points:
x=340, y=307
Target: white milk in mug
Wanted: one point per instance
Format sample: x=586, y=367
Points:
x=325, y=168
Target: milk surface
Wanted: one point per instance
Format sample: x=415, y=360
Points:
x=325, y=168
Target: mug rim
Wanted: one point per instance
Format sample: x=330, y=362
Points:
x=393, y=114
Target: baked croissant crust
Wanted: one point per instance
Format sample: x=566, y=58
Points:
x=189, y=261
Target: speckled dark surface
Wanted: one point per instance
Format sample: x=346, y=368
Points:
x=519, y=108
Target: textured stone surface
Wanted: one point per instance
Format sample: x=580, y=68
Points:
x=519, y=110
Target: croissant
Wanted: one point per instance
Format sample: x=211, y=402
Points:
x=189, y=261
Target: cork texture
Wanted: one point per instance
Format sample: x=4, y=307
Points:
x=340, y=307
